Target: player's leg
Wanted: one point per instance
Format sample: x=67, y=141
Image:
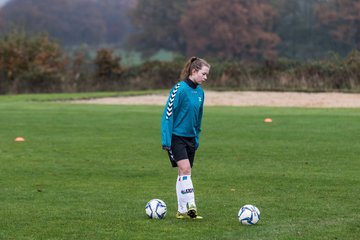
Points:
x=177, y=153
x=183, y=152
x=184, y=170
x=191, y=206
x=187, y=195
x=185, y=190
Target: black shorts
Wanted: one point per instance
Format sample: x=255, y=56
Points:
x=182, y=148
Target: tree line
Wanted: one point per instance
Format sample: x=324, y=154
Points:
x=249, y=30
x=37, y=64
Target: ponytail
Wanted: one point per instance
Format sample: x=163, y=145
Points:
x=191, y=64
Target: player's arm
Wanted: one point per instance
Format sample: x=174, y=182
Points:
x=167, y=120
x=198, y=127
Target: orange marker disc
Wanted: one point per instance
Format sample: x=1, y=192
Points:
x=268, y=120
x=19, y=139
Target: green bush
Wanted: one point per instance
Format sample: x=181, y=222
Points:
x=153, y=75
x=287, y=75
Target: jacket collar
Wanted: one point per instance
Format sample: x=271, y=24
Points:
x=191, y=83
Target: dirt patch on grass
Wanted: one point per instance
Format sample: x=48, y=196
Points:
x=246, y=98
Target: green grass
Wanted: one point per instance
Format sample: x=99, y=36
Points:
x=87, y=171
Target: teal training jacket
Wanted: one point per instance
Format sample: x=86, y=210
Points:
x=183, y=112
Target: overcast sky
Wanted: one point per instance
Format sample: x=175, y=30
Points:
x=2, y=2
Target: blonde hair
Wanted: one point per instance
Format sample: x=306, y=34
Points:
x=193, y=63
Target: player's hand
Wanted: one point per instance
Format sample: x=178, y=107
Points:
x=166, y=148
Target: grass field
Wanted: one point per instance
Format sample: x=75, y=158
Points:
x=87, y=171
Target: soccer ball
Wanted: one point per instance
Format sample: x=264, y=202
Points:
x=249, y=214
x=155, y=209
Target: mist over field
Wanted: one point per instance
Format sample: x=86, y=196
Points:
x=293, y=29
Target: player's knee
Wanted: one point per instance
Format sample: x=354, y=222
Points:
x=186, y=171
x=184, y=167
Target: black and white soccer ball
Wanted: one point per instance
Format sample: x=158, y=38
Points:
x=249, y=214
x=156, y=209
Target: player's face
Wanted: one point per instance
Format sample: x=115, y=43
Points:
x=200, y=76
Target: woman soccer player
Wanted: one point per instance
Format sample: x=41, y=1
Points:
x=180, y=130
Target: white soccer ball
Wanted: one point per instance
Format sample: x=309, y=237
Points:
x=156, y=209
x=249, y=214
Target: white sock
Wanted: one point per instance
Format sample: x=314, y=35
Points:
x=178, y=194
x=185, y=192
